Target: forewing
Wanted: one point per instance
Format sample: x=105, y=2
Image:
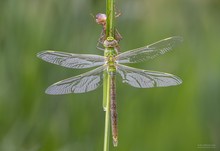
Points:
x=149, y=52
x=145, y=78
x=79, y=84
x=70, y=60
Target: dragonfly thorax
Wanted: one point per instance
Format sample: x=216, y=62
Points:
x=111, y=63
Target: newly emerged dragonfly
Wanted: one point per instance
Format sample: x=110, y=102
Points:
x=112, y=64
x=101, y=20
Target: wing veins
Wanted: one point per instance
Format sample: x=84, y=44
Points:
x=70, y=60
x=149, y=52
x=145, y=78
x=79, y=84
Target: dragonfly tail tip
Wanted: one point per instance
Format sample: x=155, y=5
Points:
x=115, y=142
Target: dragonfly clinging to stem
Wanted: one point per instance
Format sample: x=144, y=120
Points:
x=112, y=64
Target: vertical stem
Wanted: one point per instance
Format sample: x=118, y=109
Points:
x=107, y=114
x=110, y=12
x=105, y=81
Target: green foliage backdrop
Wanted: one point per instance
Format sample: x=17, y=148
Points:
x=160, y=119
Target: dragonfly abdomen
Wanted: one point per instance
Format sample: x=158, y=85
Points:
x=114, y=109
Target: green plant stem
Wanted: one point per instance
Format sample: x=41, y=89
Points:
x=110, y=12
x=104, y=103
x=107, y=114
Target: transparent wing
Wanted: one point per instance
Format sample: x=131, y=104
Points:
x=70, y=60
x=150, y=51
x=79, y=84
x=145, y=78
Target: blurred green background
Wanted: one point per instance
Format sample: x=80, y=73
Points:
x=183, y=118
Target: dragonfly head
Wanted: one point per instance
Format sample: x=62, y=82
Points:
x=110, y=42
x=101, y=18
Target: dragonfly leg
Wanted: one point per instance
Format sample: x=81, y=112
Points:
x=118, y=36
x=117, y=48
x=100, y=47
x=117, y=13
x=101, y=39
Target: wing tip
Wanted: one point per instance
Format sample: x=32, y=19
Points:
x=178, y=80
x=41, y=53
x=52, y=92
x=178, y=38
x=48, y=91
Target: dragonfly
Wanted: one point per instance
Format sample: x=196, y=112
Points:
x=111, y=63
x=100, y=19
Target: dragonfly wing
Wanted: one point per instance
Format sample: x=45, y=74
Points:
x=149, y=52
x=79, y=84
x=70, y=60
x=145, y=78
